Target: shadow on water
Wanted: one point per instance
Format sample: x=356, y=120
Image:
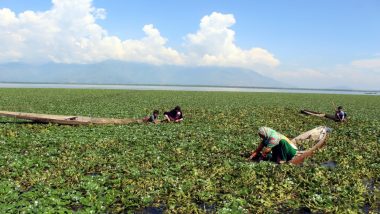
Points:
x=76, y=207
x=304, y=210
x=329, y=164
x=151, y=210
x=207, y=208
x=301, y=210
x=210, y=208
x=18, y=122
x=35, y=123
x=94, y=174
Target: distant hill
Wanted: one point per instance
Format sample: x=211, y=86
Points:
x=117, y=72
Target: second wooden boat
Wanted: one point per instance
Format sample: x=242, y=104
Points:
x=319, y=114
x=66, y=120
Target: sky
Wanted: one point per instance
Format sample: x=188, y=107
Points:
x=312, y=44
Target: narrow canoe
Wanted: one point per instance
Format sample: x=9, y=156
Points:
x=319, y=135
x=313, y=113
x=318, y=114
x=67, y=120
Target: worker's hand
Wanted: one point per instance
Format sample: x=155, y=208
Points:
x=253, y=155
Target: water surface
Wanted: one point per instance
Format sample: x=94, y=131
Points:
x=186, y=88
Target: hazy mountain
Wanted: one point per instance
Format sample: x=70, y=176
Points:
x=117, y=72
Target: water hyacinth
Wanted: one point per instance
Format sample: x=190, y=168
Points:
x=191, y=167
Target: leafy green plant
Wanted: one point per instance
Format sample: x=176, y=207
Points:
x=190, y=167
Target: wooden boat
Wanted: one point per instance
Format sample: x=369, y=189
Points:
x=319, y=135
x=318, y=114
x=67, y=120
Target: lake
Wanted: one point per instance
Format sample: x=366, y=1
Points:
x=187, y=88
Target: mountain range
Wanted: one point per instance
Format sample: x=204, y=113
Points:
x=118, y=72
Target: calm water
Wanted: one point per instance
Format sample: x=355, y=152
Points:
x=183, y=88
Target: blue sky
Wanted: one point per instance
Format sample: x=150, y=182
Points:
x=307, y=39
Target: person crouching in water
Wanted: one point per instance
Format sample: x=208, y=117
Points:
x=174, y=115
x=152, y=118
x=274, y=147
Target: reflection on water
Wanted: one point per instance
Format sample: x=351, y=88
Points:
x=184, y=88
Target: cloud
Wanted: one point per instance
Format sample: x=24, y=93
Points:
x=214, y=44
x=357, y=78
x=151, y=49
x=340, y=76
x=303, y=77
x=367, y=63
x=68, y=33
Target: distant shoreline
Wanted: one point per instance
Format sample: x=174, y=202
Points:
x=183, y=87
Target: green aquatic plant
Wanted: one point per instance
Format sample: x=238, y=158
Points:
x=192, y=167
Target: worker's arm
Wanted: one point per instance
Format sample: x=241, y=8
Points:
x=178, y=120
x=266, y=151
x=256, y=152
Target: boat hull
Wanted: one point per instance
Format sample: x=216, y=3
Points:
x=66, y=120
x=319, y=134
x=318, y=114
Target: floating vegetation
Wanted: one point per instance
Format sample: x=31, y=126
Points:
x=198, y=166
